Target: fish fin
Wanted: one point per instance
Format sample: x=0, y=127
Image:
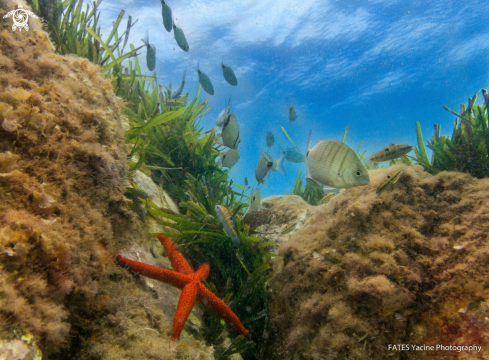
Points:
x=385, y=147
x=309, y=140
x=280, y=165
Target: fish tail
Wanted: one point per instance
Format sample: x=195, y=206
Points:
x=280, y=165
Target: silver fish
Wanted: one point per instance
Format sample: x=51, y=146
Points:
x=167, y=15
x=223, y=115
x=333, y=163
x=229, y=75
x=230, y=132
x=255, y=201
x=205, y=82
x=180, y=37
x=265, y=165
x=292, y=113
x=175, y=94
x=150, y=54
x=230, y=158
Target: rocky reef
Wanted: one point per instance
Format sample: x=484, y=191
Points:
x=406, y=266
x=63, y=216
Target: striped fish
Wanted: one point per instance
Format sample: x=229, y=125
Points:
x=390, y=152
x=226, y=220
x=390, y=180
x=333, y=163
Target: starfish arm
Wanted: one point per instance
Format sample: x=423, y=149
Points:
x=169, y=277
x=176, y=258
x=203, y=271
x=184, y=307
x=213, y=303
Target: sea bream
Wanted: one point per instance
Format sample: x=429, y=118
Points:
x=390, y=152
x=150, y=54
x=223, y=115
x=167, y=15
x=230, y=158
x=175, y=94
x=229, y=74
x=205, y=82
x=333, y=163
x=226, y=220
x=230, y=132
x=180, y=37
x=266, y=164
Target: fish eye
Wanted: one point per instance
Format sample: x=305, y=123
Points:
x=358, y=173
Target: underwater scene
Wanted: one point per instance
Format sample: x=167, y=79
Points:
x=244, y=180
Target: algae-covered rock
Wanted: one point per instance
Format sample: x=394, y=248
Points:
x=278, y=219
x=408, y=265
x=63, y=216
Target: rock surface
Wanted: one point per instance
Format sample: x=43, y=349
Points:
x=278, y=219
x=408, y=265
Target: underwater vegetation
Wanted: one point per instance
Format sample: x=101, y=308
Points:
x=167, y=143
x=466, y=150
x=408, y=265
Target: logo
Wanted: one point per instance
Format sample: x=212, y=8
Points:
x=20, y=17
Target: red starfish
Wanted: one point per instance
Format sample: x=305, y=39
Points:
x=187, y=281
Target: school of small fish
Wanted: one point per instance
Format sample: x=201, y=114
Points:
x=329, y=163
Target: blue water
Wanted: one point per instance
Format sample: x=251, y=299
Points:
x=376, y=66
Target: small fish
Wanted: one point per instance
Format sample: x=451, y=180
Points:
x=293, y=155
x=226, y=220
x=333, y=163
x=175, y=94
x=327, y=197
x=289, y=228
x=173, y=102
x=180, y=37
x=270, y=139
x=229, y=75
x=223, y=115
x=246, y=181
x=230, y=132
x=205, y=82
x=265, y=164
x=255, y=201
x=390, y=180
x=390, y=152
x=230, y=158
x=128, y=30
x=150, y=54
x=167, y=16
x=292, y=113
